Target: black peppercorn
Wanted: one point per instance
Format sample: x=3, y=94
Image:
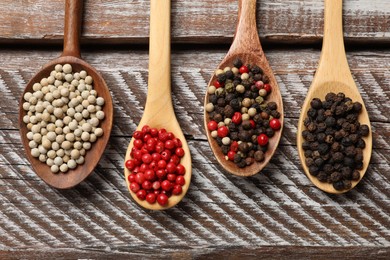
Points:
x=228, y=111
x=269, y=132
x=309, y=162
x=335, y=176
x=349, y=162
x=316, y=103
x=313, y=170
x=218, y=118
x=338, y=157
x=323, y=148
x=221, y=102
x=265, y=79
x=241, y=164
x=330, y=121
x=229, y=74
x=357, y=107
x=213, y=99
x=321, y=137
x=312, y=113
x=319, y=162
x=221, y=77
x=338, y=185
x=237, y=63
x=225, y=149
x=364, y=130
x=330, y=96
x=249, y=161
x=235, y=104
x=361, y=143
x=308, y=154
x=237, y=158
x=355, y=175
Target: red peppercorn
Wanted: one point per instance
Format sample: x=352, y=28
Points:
x=137, y=155
x=171, y=177
x=171, y=168
x=140, y=178
x=253, y=124
x=161, y=174
x=156, y=157
x=147, y=185
x=180, y=180
x=162, y=199
x=262, y=139
x=141, y=194
x=237, y=118
x=180, y=169
x=267, y=88
x=222, y=131
x=177, y=189
x=163, y=136
x=146, y=137
x=159, y=148
x=170, y=136
x=153, y=132
x=162, y=164
x=179, y=152
x=174, y=159
x=218, y=84
x=274, y=123
x=230, y=155
x=157, y=192
x=149, y=175
x=130, y=164
x=134, y=187
x=146, y=129
x=212, y=125
x=169, y=144
x=138, y=135
x=156, y=185
x=234, y=146
x=147, y=158
x=243, y=69
x=131, y=178
x=151, y=198
x=177, y=142
x=166, y=155
x=138, y=143
x=259, y=84
x=166, y=185
x=143, y=167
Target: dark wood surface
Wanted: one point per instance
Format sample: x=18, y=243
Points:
x=277, y=213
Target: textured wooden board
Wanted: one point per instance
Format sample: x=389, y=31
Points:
x=270, y=214
x=204, y=21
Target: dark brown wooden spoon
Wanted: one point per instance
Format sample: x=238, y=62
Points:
x=71, y=55
x=246, y=46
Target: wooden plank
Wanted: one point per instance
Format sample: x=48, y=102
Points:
x=206, y=21
x=276, y=212
x=233, y=252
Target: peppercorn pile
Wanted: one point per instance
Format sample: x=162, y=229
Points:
x=156, y=172
x=333, y=144
x=63, y=117
x=239, y=118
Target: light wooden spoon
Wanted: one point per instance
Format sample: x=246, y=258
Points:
x=71, y=55
x=159, y=111
x=333, y=75
x=246, y=46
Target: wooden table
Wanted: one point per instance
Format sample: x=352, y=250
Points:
x=276, y=213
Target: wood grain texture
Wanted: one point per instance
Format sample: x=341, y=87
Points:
x=274, y=213
x=204, y=21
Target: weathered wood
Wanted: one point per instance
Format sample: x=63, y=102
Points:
x=205, y=21
x=272, y=214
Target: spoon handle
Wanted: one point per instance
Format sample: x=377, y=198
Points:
x=246, y=37
x=72, y=31
x=333, y=60
x=159, y=100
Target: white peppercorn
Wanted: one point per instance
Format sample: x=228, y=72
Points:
x=64, y=167
x=54, y=168
x=100, y=115
x=98, y=132
x=80, y=160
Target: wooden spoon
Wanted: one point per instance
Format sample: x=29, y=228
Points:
x=159, y=111
x=71, y=55
x=333, y=75
x=246, y=46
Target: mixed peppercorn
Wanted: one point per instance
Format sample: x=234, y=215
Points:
x=156, y=172
x=240, y=119
x=333, y=145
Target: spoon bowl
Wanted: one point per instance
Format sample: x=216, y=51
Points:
x=71, y=55
x=333, y=75
x=246, y=46
x=159, y=111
